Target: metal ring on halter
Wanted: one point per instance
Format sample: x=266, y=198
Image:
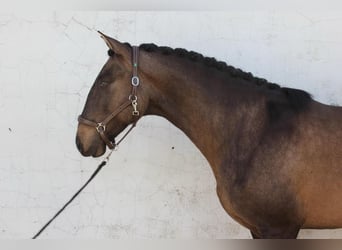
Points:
x=100, y=127
x=132, y=98
x=135, y=81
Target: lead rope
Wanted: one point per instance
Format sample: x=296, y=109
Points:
x=97, y=170
x=99, y=167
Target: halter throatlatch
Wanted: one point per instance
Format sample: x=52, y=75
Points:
x=132, y=101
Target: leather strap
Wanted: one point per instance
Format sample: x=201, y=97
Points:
x=109, y=143
x=135, y=60
x=116, y=112
x=86, y=122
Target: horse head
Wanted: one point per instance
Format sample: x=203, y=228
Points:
x=115, y=100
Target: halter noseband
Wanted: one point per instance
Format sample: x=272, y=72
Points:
x=132, y=100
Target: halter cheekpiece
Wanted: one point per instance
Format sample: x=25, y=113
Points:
x=132, y=101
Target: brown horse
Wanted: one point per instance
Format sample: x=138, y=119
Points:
x=275, y=152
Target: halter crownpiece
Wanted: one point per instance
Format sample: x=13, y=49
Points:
x=135, y=77
x=132, y=100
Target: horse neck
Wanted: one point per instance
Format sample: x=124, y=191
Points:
x=204, y=106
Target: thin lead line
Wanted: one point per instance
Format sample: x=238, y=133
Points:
x=102, y=164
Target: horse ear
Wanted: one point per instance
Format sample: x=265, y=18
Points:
x=118, y=47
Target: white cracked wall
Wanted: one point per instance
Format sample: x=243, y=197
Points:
x=48, y=61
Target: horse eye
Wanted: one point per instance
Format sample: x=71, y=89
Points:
x=102, y=84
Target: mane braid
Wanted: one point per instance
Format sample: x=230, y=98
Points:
x=297, y=98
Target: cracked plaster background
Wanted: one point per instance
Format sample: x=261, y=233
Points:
x=149, y=190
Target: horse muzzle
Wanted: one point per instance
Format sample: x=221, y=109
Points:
x=92, y=146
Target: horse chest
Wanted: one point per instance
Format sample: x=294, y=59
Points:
x=228, y=205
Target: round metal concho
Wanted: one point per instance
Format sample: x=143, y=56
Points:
x=135, y=81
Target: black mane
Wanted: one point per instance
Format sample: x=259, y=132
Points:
x=298, y=99
x=209, y=61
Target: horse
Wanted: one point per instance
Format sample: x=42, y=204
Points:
x=275, y=152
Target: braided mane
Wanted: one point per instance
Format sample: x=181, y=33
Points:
x=297, y=98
